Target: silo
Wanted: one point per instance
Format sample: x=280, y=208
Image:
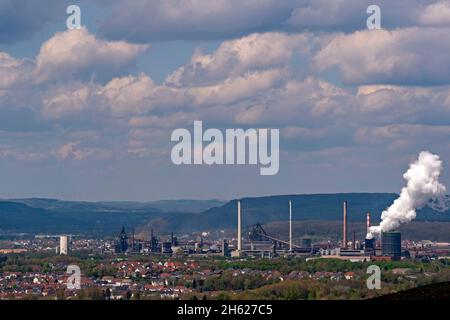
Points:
x=392, y=244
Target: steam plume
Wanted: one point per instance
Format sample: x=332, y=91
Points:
x=423, y=187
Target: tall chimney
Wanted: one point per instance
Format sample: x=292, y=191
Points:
x=344, y=240
x=239, y=227
x=368, y=222
x=290, y=226
x=354, y=241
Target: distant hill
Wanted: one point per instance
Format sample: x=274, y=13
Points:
x=275, y=208
x=21, y=218
x=121, y=206
x=91, y=218
x=100, y=218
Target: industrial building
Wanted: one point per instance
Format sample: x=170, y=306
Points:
x=259, y=243
x=64, y=245
x=122, y=242
x=392, y=244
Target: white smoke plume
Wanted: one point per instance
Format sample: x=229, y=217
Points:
x=422, y=188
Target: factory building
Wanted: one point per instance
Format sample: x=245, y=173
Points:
x=122, y=242
x=166, y=247
x=225, y=250
x=369, y=247
x=154, y=243
x=392, y=244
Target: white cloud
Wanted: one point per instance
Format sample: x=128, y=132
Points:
x=13, y=71
x=236, y=57
x=401, y=131
x=402, y=56
x=234, y=89
x=67, y=100
x=138, y=95
x=298, y=102
x=79, y=54
x=436, y=14
x=247, y=81
x=70, y=150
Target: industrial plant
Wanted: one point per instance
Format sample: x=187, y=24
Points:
x=257, y=242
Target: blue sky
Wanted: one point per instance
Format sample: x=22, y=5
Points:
x=87, y=114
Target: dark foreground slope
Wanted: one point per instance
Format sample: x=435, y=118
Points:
x=432, y=292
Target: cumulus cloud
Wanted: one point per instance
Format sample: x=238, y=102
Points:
x=13, y=71
x=236, y=57
x=77, y=53
x=258, y=80
x=138, y=94
x=67, y=73
x=69, y=55
x=67, y=100
x=411, y=56
x=235, y=89
x=436, y=14
x=298, y=102
x=237, y=70
x=402, y=131
x=70, y=149
x=82, y=97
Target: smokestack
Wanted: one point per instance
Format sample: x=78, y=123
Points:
x=239, y=227
x=368, y=222
x=354, y=241
x=345, y=226
x=290, y=226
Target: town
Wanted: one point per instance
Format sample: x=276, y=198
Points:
x=205, y=266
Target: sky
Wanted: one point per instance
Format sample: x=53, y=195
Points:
x=88, y=114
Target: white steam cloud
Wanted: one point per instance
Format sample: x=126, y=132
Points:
x=422, y=188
